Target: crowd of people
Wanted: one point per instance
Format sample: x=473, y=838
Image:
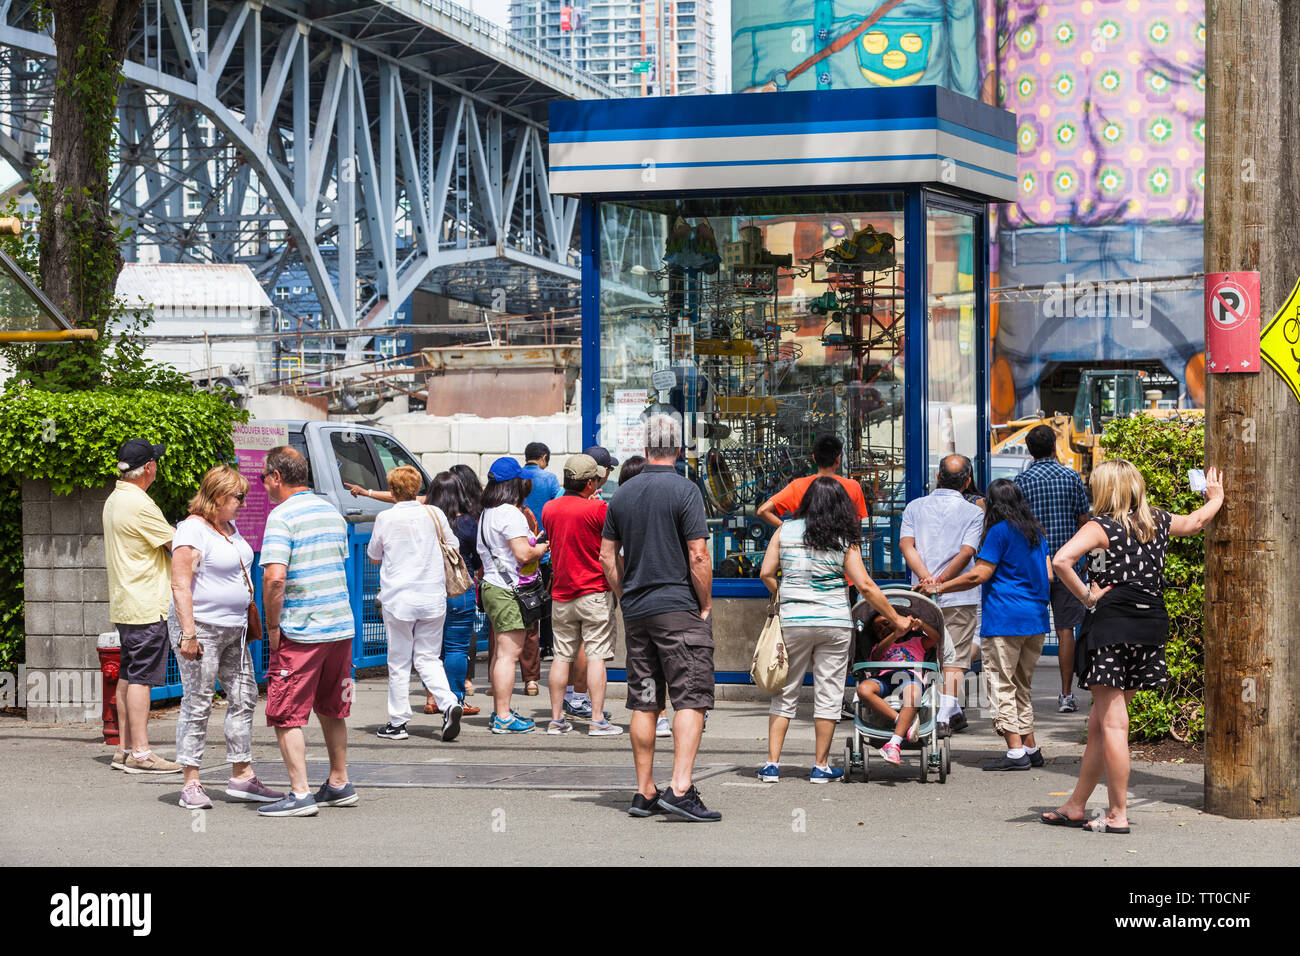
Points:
x=552, y=563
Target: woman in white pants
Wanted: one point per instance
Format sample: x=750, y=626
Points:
x=413, y=596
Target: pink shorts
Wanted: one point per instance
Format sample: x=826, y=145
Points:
x=301, y=678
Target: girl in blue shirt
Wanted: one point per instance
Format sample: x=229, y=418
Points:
x=1016, y=573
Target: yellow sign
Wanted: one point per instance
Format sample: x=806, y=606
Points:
x=1279, y=343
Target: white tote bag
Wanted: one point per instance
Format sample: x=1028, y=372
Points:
x=771, y=662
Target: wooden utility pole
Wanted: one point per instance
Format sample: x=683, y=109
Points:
x=1252, y=566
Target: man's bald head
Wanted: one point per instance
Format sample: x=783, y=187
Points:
x=955, y=472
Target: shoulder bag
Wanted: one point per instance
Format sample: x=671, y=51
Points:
x=771, y=664
x=533, y=599
x=453, y=562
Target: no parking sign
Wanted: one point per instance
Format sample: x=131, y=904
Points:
x=1232, y=322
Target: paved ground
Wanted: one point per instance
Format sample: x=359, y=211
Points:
x=537, y=799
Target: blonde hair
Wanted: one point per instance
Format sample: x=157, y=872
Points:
x=404, y=482
x=1119, y=492
x=218, y=484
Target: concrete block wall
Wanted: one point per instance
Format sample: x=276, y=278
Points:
x=477, y=442
x=65, y=589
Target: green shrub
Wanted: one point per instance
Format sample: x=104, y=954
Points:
x=70, y=439
x=1164, y=450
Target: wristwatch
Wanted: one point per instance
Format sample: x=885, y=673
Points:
x=189, y=637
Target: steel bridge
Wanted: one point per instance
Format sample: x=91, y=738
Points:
x=376, y=146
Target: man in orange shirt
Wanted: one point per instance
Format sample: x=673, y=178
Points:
x=827, y=452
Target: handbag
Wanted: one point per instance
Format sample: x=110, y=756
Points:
x=533, y=598
x=771, y=661
x=453, y=562
x=254, y=627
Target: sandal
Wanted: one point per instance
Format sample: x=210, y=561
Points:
x=1104, y=828
x=1056, y=818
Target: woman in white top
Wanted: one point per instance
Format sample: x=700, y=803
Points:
x=510, y=553
x=413, y=595
x=211, y=592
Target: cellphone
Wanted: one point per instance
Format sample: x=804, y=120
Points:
x=1196, y=479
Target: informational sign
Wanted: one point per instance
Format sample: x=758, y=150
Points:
x=641, y=66
x=566, y=18
x=629, y=431
x=1280, y=341
x=252, y=442
x=1232, y=342
x=664, y=378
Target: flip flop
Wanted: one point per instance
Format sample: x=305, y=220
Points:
x=1055, y=818
x=1104, y=828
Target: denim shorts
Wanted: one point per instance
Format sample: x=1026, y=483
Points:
x=889, y=681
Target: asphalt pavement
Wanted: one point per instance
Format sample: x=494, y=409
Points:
x=539, y=799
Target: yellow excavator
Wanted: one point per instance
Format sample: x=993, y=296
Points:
x=1103, y=395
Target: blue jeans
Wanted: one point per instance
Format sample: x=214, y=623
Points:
x=457, y=634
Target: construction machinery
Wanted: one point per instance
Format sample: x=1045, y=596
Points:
x=1103, y=395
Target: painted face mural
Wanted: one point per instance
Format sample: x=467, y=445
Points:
x=894, y=53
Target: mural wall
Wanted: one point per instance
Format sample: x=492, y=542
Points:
x=1110, y=100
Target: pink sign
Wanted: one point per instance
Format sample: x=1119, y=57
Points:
x=1232, y=322
x=252, y=442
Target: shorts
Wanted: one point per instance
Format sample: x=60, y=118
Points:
x=301, y=678
x=501, y=608
x=1067, y=610
x=586, y=621
x=959, y=626
x=671, y=652
x=1127, y=667
x=144, y=653
x=889, y=681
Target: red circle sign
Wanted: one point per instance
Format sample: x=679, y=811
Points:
x=1229, y=305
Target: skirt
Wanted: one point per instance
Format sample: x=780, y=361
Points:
x=1127, y=667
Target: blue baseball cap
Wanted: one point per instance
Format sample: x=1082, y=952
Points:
x=503, y=469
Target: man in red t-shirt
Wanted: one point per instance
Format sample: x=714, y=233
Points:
x=827, y=452
x=582, y=604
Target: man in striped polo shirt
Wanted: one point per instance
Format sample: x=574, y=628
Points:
x=309, y=625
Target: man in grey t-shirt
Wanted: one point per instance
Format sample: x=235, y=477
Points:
x=664, y=581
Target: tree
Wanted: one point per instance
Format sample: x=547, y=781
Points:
x=79, y=240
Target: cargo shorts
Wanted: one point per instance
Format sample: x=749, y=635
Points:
x=669, y=653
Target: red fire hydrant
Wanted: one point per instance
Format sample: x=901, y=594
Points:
x=110, y=665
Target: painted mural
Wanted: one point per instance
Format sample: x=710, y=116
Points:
x=1110, y=100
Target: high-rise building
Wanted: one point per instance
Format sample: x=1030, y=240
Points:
x=617, y=41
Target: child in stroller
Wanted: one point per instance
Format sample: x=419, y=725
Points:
x=874, y=690
x=908, y=664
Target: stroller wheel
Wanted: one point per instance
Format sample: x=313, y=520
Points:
x=943, y=763
x=925, y=762
x=947, y=756
x=848, y=761
x=866, y=763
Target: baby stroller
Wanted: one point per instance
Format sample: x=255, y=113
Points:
x=870, y=727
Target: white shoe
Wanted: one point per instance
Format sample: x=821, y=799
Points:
x=663, y=728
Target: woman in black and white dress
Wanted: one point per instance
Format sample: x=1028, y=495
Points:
x=1121, y=646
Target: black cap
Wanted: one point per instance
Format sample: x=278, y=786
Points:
x=603, y=458
x=137, y=452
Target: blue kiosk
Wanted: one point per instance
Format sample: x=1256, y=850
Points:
x=779, y=266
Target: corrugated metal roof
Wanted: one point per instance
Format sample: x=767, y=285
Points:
x=191, y=286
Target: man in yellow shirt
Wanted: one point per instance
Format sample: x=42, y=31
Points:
x=137, y=550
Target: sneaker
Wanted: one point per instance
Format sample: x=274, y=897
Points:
x=557, y=727
x=688, y=805
x=663, y=728
x=1035, y=758
x=252, y=789
x=451, y=723
x=770, y=773
x=603, y=728
x=1065, y=704
x=150, y=764
x=389, y=732
x=943, y=730
x=580, y=710
x=641, y=807
x=892, y=754
x=530, y=688
x=331, y=796
x=1009, y=763
x=825, y=774
x=849, y=710
x=194, y=797
x=911, y=731
x=119, y=760
x=957, y=722
x=512, y=724
x=290, y=806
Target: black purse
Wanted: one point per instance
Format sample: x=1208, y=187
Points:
x=534, y=599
